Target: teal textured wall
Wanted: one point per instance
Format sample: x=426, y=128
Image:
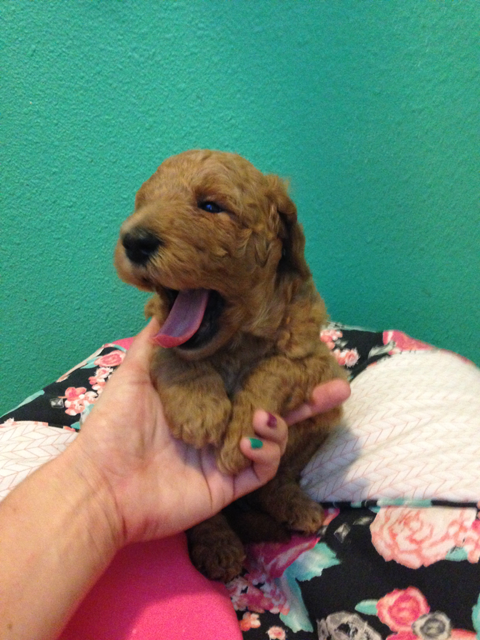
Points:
x=369, y=108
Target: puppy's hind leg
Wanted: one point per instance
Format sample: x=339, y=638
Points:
x=286, y=501
x=215, y=550
x=282, y=497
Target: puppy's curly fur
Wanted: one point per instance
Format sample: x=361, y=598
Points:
x=210, y=223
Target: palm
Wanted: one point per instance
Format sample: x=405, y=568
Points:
x=153, y=473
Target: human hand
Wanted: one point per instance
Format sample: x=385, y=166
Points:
x=158, y=484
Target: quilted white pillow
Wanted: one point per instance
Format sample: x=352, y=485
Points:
x=25, y=446
x=411, y=431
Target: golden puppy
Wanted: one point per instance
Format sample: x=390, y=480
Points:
x=219, y=244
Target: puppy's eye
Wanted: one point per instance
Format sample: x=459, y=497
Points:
x=211, y=207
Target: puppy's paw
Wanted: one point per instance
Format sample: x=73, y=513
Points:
x=304, y=516
x=230, y=459
x=289, y=505
x=201, y=421
x=217, y=552
x=222, y=562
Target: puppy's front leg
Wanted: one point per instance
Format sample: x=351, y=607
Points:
x=268, y=387
x=278, y=384
x=194, y=399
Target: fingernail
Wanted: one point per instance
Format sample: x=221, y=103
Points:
x=255, y=443
x=271, y=420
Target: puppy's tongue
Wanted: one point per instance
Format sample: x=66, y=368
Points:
x=184, y=318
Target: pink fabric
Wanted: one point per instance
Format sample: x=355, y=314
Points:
x=151, y=591
x=124, y=342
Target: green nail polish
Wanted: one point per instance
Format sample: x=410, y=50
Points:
x=256, y=443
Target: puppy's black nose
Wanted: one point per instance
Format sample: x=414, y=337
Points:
x=140, y=245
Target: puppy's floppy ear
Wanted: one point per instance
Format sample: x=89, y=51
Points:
x=289, y=229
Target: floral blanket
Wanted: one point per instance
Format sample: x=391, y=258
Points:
x=388, y=566
x=373, y=572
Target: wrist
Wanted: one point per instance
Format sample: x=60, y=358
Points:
x=92, y=495
x=59, y=527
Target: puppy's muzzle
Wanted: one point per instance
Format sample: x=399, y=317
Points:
x=140, y=245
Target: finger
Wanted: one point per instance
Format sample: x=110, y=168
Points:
x=265, y=459
x=264, y=450
x=330, y=394
x=325, y=396
x=142, y=346
x=270, y=427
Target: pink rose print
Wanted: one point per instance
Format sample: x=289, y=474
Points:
x=471, y=543
x=420, y=537
x=77, y=399
x=73, y=393
x=329, y=336
x=399, y=609
x=346, y=357
x=103, y=372
x=98, y=385
x=276, y=633
x=249, y=621
x=112, y=359
x=257, y=590
x=402, y=342
x=99, y=380
x=245, y=594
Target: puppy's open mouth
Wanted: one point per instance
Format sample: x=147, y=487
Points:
x=193, y=319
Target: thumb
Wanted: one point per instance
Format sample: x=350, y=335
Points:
x=142, y=347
